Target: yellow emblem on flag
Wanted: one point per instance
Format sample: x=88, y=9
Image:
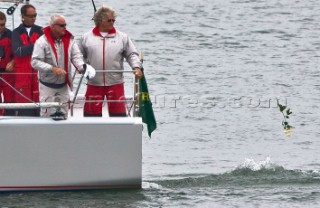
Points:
x=145, y=96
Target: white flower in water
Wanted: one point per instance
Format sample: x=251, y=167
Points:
x=288, y=132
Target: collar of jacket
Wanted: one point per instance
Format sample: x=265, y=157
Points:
x=22, y=28
x=111, y=33
x=5, y=34
x=66, y=42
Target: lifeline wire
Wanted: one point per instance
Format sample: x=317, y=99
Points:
x=14, y=89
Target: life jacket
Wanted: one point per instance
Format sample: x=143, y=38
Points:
x=66, y=42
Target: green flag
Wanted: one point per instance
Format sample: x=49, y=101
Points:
x=145, y=110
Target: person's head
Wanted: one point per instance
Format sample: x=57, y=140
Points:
x=58, y=25
x=104, y=18
x=3, y=20
x=28, y=14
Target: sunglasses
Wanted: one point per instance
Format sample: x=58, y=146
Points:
x=31, y=15
x=110, y=20
x=61, y=25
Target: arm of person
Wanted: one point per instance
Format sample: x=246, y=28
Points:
x=38, y=57
x=18, y=48
x=81, y=45
x=132, y=57
x=76, y=57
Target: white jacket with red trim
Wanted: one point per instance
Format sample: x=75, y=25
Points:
x=108, y=53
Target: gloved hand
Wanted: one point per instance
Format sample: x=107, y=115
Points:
x=89, y=72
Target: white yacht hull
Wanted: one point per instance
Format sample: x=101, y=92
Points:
x=78, y=153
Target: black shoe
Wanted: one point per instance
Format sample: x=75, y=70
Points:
x=58, y=115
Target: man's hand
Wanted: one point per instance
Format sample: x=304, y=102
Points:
x=10, y=66
x=59, y=71
x=138, y=72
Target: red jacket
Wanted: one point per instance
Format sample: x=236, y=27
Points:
x=6, y=49
x=26, y=79
x=22, y=46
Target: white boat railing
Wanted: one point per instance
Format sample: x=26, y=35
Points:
x=14, y=1
x=31, y=105
x=134, y=100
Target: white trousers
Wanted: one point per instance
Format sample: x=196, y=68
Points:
x=48, y=94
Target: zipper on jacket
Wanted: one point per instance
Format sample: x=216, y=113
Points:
x=103, y=61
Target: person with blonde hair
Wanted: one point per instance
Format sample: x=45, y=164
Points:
x=105, y=48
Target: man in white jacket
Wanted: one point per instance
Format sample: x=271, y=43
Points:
x=105, y=49
x=52, y=56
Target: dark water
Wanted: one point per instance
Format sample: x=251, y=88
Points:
x=266, y=185
x=215, y=71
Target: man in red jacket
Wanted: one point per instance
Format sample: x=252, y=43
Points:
x=26, y=80
x=6, y=66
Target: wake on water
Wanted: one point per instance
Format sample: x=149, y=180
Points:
x=250, y=173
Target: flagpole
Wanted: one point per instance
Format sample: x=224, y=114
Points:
x=137, y=91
